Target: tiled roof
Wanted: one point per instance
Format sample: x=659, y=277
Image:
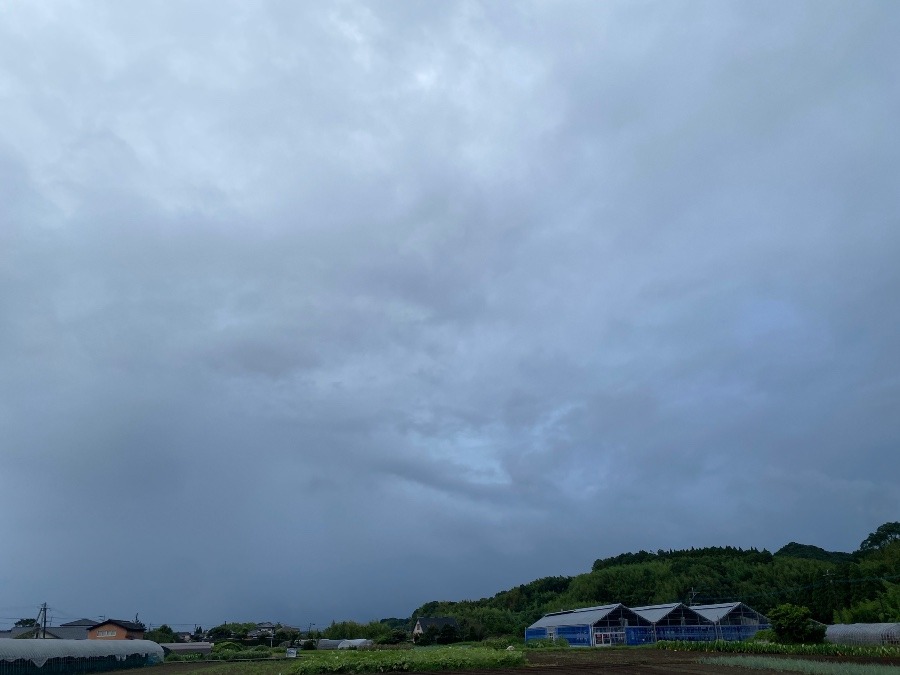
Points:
x=127, y=625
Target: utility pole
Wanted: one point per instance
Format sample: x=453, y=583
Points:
x=693, y=595
x=40, y=629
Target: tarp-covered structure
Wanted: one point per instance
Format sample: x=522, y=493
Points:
x=588, y=627
x=863, y=634
x=39, y=657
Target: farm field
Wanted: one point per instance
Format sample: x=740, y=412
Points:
x=629, y=661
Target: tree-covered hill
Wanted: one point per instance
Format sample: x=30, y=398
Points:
x=862, y=586
x=795, y=550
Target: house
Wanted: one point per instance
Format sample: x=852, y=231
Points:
x=267, y=629
x=114, y=629
x=264, y=629
x=438, y=623
x=85, y=623
x=64, y=632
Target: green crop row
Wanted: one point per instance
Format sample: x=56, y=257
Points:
x=447, y=658
x=825, y=649
x=769, y=663
x=227, y=655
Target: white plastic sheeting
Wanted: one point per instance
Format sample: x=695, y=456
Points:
x=40, y=651
x=863, y=633
x=351, y=644
x=325, y=643
x=731, y=614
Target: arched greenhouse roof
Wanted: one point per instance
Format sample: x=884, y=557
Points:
x=40, y=651
x=325, y=643
x=863, y=633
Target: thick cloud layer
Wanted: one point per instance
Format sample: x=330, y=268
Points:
x=312, y=312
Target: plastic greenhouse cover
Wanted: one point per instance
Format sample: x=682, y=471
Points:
x=39, y=651
x=869, y=633
x=716, y=612
x=576, y=617
x=653, y=613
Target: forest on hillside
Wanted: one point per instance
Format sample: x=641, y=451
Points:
x=863, y=586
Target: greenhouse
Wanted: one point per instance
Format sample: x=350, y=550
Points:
x=733, y=620
x=40, y=657
x=588, y=627
x=617, y=624
x=863, y=634
x=675, y=621
x=325, y=643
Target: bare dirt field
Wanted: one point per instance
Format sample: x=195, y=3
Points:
x=624, y=661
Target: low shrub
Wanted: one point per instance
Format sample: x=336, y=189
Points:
x=764, y=635
x=793, y=624
x=227, y=646
x=174, y=656
x=400, y=646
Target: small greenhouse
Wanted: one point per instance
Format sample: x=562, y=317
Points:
x=42, y=657
x=325, y=643
x=863, y=634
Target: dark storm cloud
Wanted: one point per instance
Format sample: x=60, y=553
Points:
x=304, y=308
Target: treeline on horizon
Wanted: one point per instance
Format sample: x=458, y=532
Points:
x=837, y=587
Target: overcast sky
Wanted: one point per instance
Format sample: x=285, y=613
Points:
x=315, y=311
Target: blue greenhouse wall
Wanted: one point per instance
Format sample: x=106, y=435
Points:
x=576, y=636
x=580, y=636
x=535, y=634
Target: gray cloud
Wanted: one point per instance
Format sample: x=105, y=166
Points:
x=312, y=313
